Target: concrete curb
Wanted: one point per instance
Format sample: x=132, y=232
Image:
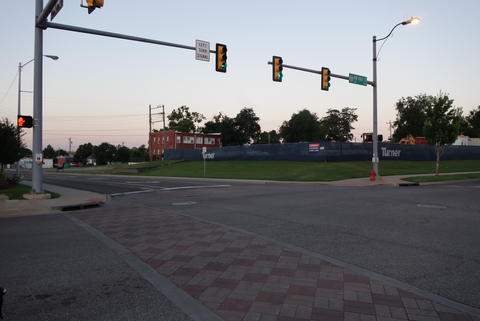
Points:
x=70, y=199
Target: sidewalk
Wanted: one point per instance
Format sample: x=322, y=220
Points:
x=68, y=198
x=395, y=180
x=239, y=276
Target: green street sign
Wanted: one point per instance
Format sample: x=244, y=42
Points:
x=357, y=79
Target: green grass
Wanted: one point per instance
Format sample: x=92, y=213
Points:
x=15, y=192
x=442, y=178
x=306, y=171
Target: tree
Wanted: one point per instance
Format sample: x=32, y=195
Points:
x=442, y=125
x=183, y=120
x=411, y=115
x=104, y=153
x=25, y=152
x=123, y=154
x=61, y=152
x=246, y=123
x=471, y=123
x=225, y=125
x=49, y=152
x=271, y=137
x=10, y=143
x=139, y=154
x=83, y=152
x=338, y=124
x=302, y=126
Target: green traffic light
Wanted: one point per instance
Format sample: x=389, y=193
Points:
x=279, y=76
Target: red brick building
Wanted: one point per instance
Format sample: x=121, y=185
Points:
x=165, y=139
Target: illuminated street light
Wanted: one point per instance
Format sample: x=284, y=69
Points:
x=375, y=160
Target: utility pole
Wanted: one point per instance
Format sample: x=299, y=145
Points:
x=390, y=126
x=163, y=116
x=70, y=145
x=150, y=118
x=160, y=113
x=151, y=122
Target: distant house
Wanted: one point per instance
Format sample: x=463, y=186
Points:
x=170, y=139
x=91, y=161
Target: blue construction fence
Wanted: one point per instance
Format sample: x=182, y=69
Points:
x=324, y=152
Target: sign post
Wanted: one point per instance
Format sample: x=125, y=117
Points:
x=204, y=154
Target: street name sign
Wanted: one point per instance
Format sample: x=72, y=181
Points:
x=202, y=50
x=357, y=79
x=56, y=9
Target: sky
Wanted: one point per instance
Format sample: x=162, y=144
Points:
x=100, y=88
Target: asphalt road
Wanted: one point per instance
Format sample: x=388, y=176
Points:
x=426, y=236
x=54, y=270
x=117, y=185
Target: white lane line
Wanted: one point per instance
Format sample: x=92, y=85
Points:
x=130, y=184
x=184, y=203
x=141, y=182
x=134, y=192
x=432, y=206
x=194, y=187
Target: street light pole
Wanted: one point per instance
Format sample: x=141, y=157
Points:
x=375, y=159
x=37, y=172
x=375, y=126
x=19, y=101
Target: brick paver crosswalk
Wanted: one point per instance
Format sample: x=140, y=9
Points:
x=243, y=277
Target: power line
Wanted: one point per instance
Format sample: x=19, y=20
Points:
x=9, y=87
x=75, y=117
x=93, y=130
x=92, y=135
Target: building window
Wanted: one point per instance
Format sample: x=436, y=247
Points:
x=209, y=141
x=187, y=139
x=178, y=139
x=199, y=140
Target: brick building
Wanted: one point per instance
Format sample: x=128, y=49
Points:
x=165, y=139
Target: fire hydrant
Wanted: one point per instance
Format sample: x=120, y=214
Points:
x=372, y=175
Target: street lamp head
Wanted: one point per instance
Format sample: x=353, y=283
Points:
x=52, y=57
x=412, y=21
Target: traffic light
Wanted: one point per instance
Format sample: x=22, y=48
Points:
x=93, y=4
x=25, y=121
x=221, y=57
x=325, y=78
x=277, y=68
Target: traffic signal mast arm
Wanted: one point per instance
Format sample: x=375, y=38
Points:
x=371, y=83
x=117, y=35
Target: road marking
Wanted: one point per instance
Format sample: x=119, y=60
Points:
x=134, y=192
x=194, y=187
x=432, y=206
x=184, y=203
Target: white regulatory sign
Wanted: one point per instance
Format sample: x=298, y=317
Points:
x=202, y=50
